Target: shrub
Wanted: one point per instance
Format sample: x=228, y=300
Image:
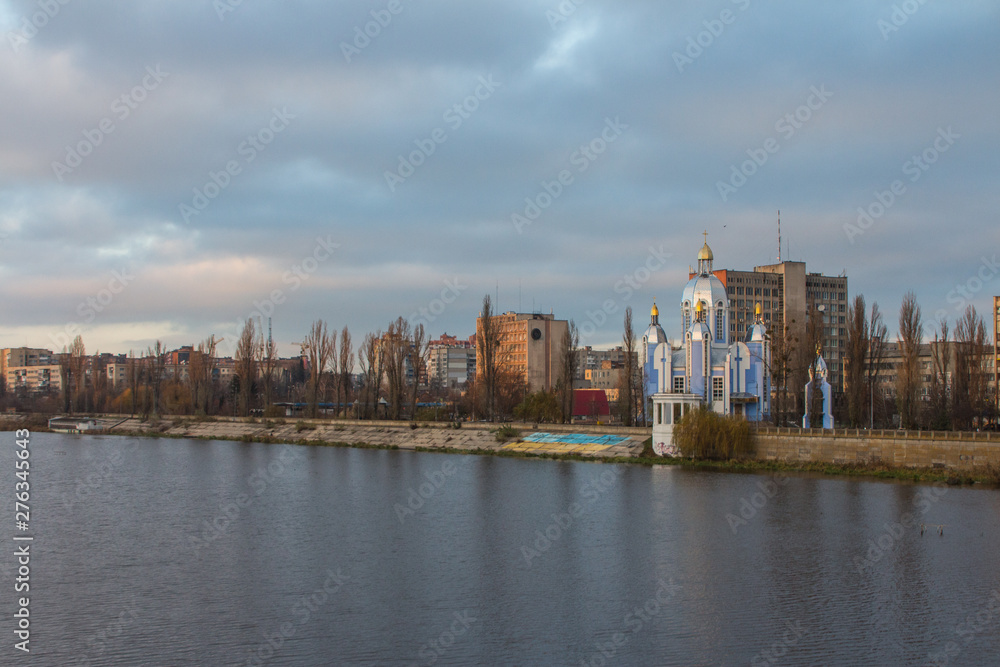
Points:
x=303, y=426
x=705, y=434
x=506, y=432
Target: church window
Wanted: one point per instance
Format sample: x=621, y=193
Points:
x=677, y=412
x=717, y=389
x=719, y=324
x=679, y=385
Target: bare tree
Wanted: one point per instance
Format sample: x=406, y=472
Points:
x=267, y=351
x=627, y=383
x=346, y=367
x=878, y=333
x=488, y=343
x=201, y=372
x=78, y=370
x=568, y=365
x=784, y=349
x=133, y=377
x=969, y=394
x=370, y=357
x=397, y=351
x=858, y=340
x=319, y=347
x=939, y=414
x=908, y=380
x=246, y=356
x=418, y=353
x=156, y=362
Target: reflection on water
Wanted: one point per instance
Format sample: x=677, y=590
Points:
x=219, y=553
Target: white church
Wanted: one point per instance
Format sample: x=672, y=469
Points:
x=704, y=369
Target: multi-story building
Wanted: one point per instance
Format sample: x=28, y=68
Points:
x=531, y=344
x=451, y=361
x=788, y=294
x=30, y=370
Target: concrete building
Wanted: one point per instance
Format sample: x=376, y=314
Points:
x=30, y=370
x=788, y=293
x=531, y=344
x=451, y=361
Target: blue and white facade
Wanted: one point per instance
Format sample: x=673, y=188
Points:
x=704, y=369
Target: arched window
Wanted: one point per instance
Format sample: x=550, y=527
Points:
x=720, y=330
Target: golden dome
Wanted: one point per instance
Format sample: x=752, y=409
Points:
x=655, y=312
x=757, y=310
x=700, y=307
x=705, y=253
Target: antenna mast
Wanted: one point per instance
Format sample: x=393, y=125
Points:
x=779, y=236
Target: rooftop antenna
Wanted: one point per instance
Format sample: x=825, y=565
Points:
x=779, y=236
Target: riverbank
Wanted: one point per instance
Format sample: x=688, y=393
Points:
x=780, y=451
x=609, y=444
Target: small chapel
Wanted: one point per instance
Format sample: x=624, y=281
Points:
x=704, y=368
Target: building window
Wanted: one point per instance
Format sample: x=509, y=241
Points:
x=717, y=389
x=679, y=385
x=719, y=325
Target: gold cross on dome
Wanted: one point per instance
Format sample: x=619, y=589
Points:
x=706, y=235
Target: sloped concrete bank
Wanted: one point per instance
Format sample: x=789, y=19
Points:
x=607, y=442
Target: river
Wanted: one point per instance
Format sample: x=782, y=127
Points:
x=188, y=552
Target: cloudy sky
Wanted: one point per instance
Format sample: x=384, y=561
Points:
x=169, y=168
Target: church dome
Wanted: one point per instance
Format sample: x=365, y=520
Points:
x=705, y=253
x=654, y=312
x=705, y=288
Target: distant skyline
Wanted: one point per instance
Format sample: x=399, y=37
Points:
x=169, y=169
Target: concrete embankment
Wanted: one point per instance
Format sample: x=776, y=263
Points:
x=585, y=441
x=951, y=450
